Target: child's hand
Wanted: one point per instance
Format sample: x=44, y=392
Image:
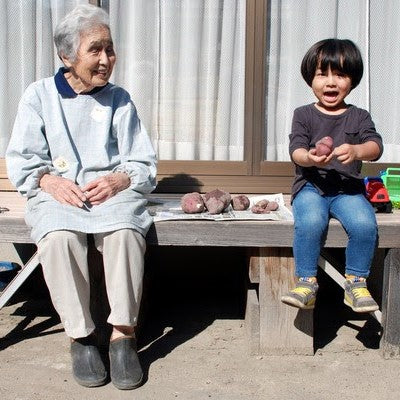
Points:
x=319, y=161
x=345, y=153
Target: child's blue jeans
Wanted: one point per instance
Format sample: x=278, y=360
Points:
x=311, y=213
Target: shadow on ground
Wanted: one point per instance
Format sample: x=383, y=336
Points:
x=35, y=305
x=331, y=314
x=187, y=289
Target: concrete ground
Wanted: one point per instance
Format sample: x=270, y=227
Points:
x=193, y=344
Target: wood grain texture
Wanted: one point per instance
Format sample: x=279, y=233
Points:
x=208, y=233
x=390, y=342
x=283, y=329
x=252, y=322
x=254, y=264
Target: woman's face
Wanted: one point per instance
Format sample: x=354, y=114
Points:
x=95, y=61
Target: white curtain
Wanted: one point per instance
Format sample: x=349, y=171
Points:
x=183, y=63
x=28, y=53
x=384, y=74
x=295, y=26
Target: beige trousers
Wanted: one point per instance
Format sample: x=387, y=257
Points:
x=63, y=255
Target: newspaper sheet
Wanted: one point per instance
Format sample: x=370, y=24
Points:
x=164, y=210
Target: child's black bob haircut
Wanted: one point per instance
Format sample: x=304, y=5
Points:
x=338, y=54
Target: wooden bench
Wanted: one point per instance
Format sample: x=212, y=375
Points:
x=272, y=327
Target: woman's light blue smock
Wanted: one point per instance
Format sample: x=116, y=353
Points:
x=80, y=137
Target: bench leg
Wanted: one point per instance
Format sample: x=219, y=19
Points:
x=252, y=322
x=19, y=279
x=282, y=329
x=390, y=342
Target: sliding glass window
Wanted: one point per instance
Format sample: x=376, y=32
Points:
x=293, y=26
x=183, y=63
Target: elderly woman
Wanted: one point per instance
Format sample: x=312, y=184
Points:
x=80, y=155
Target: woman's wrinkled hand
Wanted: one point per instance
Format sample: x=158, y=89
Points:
x=63, y=190
x=101, y=189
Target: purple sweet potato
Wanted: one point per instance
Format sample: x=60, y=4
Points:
x=216, y=201
x=272, y=206
x=324, y=146
x=262, y=203
x=192, y=203
x=264, y=206
x=259, y=210
x=260, y=207
x=240, y=202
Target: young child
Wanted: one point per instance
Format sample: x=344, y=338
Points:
x=330, y=185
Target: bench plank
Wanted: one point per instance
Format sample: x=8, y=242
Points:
x=208, y=233
x=5, y=184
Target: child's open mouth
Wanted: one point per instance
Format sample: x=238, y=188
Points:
x=330, y=96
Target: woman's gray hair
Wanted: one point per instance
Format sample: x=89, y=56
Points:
x=81, y=19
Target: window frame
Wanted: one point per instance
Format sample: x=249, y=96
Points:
x=253, y=175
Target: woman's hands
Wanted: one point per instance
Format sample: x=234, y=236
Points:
x=101, y=189
x=96, y=192
x=63, y=190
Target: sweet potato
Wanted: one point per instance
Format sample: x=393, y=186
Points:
x=216, y=201
x=259, y=210
x=240, y=202
x=260, y=207
x=264, y=206
x=262, y=203
x=192, y=203
x=324, y=146
x=272, y=206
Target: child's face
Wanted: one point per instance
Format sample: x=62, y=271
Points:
x=331, y=88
